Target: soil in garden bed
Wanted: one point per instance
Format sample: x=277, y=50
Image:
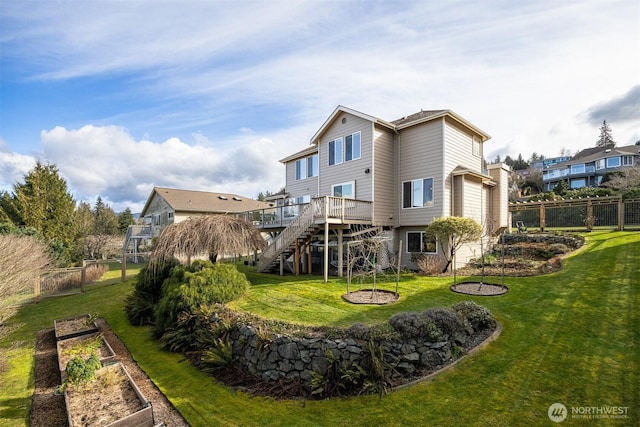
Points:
x=48, y=409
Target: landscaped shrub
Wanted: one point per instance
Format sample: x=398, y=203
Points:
x=479, y=317
x=414, y=325
x=430, y=265
x=141, y=304
x=187, y=290
x=446, y=321
x=558, y=248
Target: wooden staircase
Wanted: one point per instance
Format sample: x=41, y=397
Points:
x=302, y=227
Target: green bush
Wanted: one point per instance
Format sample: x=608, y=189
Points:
x=558, y=248
x=187, y=290
x=80, y=370
x=414, y=325
x=479, y=317
x=446, y=321
x=141, y=304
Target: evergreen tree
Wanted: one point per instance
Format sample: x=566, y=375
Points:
x=605, y=139
x=125, y=219
x=106, y=222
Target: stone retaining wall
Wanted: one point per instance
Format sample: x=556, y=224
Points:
x=299, y=358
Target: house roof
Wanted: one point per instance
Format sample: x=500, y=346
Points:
x=595, y=153
x=397, y=125
x=203, y=201
x=313, y=149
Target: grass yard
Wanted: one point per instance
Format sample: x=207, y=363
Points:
x=570, y=337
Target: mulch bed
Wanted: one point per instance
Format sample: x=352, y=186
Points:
x=48, y=409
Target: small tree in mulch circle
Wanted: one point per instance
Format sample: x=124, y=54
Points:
x=451, y=233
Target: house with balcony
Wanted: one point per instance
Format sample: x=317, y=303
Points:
x=361, y=174
x=166, y=206
x=589, y=166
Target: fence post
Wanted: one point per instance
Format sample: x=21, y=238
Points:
x=36, y=288
x=83, y=275
x=542, y=219
x=620, y=214
x=590, y=220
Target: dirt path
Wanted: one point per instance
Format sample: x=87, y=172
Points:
x=48, y=409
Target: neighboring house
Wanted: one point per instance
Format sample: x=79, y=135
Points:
x=362, y=173
x=589, y=166
x=168, y=205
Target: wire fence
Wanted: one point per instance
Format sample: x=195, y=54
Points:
x=586, y=214
x=60, y=281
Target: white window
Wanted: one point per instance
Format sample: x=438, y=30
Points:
x=475, y=146
x=627, y=160
x=301, y=169
x=599, y=164
x=417, y=241
x=417, y=193
x=335, y=152
x=307, y=167
x=352, y=147
x=346, y=190
x=613, y=162
x=578, y=183
x=577, y=168
x=312, y=166
x=350, y=150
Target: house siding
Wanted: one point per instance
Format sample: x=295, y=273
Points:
x=159, y=206
x=385, y=196
x=347, y=171
x=420, y=156
x=458, y=151
x=302, y=187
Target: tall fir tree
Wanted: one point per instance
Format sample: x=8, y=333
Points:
x=125, y=219
x=106, y=222
x=44, y=203
x=605, y=139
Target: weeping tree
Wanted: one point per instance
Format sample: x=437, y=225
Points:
x=451, y=233
x=208, y=234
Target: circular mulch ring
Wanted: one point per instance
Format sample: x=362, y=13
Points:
x=369, y=296
x=477, y=288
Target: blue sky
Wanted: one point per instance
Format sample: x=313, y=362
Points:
x=126, y=95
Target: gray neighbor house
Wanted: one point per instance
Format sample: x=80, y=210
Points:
x=361, y=174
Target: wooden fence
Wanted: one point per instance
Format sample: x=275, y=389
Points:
x=584, y=213
x=60, y=281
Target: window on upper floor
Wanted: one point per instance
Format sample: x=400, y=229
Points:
x=418, y=242
x=335, y=152
x=600, y=164
x=417, y=193
x=344, y=149
x=475, y=146
x=577, y=168
x=346, y=190
x=613, y=162
x=627, y=160
x=307, y=167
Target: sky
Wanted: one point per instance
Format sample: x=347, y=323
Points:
x=123, y=96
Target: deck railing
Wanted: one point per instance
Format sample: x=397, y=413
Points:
x=339, y=210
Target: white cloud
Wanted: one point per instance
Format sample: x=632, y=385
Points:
x=107, y=161
x=13, y=168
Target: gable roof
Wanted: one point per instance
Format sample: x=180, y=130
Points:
x=203, y=201
x=313, y=149
x=595, y=153
x=397, y=125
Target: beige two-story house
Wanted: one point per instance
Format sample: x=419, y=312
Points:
x=361, y=172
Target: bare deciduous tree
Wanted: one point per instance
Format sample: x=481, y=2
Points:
x=22, y=260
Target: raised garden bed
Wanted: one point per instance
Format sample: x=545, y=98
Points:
x=74, y=327
x=83, y=346
x=111, y=400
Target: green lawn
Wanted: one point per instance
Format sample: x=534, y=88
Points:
x=569, y=337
